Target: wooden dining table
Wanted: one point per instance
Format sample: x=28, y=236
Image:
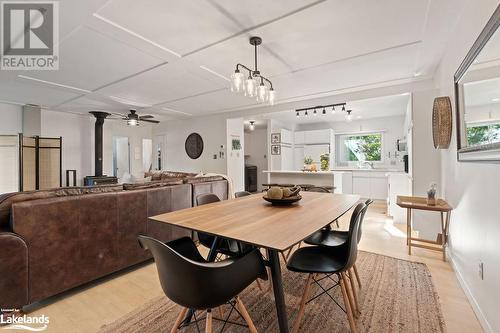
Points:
x=254, y=221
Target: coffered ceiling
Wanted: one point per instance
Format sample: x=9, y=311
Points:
x=174, y=58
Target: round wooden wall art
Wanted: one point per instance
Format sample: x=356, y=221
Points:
x=194, y=145
x=441, y=122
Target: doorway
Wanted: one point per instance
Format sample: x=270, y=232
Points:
x=121, y=156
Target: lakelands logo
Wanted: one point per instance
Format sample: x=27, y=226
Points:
x=30, y=35
x=25, y=323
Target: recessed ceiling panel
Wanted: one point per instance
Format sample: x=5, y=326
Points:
x=217, y=101
x=166, y=83
x=339, y=29
x=371, y=69
x=89, y=59
x=27, y=93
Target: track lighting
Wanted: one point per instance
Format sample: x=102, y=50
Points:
x=250, y=87
x=252, y=125
x=314, y=110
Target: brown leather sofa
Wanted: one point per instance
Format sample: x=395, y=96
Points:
x=52, y=242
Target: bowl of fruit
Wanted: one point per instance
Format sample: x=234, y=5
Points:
x=282, y=196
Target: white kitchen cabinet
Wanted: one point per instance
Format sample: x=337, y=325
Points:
x=299, y=137
x=378, y=188
x=370, y=184
x=317, y=136
x=286, y=136
x=298, y=158
x=398, y=184
x=287, y=161
x=361, y=186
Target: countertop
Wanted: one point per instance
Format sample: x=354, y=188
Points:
x=334, y=171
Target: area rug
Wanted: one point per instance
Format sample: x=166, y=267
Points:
x=396, y=296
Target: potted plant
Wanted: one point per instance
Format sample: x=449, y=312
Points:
x=431, y=195
x=307, y=163
x=325, y=161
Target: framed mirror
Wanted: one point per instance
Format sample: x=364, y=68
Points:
x=194, y=145
x=477, y=97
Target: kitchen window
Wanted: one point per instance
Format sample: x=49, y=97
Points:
x=360, y=147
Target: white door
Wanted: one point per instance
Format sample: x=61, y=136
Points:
x=147, y=154
x=121, y=156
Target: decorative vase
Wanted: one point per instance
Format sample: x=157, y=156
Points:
x=431, y=201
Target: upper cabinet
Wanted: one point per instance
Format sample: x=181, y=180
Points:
x=299, y=138
x=286, y=136
x=313, y=137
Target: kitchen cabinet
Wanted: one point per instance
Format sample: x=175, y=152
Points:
x=315, y=151
x=370, y=184
x=298, y=158
x=286, y=136
x=399, y=183
x=318, y=136
x=299, y=137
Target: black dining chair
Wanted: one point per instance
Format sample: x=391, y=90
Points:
x=224, y=246
x=242, y=194
x=329, y=261
x=334, y=238
x=193, y=283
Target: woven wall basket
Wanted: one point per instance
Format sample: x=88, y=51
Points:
x=441, y=122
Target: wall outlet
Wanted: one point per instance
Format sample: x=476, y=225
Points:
x=481, y=271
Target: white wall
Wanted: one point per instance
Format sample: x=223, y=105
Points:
x=472, y=188
x=78, y=141
x=426, y=162
x=256, y=152
x=213, y=132
x=392, y=127
x=235, y=158
x=12, y=119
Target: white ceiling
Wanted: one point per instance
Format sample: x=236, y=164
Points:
x=386, y=106
x=118, y=54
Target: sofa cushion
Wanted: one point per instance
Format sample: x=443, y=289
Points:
x=152, y=184
x=6, y=200
x=203, y=179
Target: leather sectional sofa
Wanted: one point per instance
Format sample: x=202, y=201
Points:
x=54, y=240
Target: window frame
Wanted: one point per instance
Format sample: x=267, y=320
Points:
x=339, y=160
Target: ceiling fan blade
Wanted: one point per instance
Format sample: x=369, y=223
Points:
x=150, y=121
x=148, y=116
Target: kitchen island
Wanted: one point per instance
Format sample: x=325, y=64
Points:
x=316, y=178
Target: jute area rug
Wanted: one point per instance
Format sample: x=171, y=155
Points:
x=396, y=296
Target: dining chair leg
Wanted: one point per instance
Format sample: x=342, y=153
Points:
x=241, y=307
x=303, y=302
x=347, y=281
x=357, y=275
x=284, y=257
x=208, y=325
x=179, y=319
x=354, y=291
x=221, y=312
x=347, y=304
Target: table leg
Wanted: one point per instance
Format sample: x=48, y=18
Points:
x=279, y=296
x=443, y=236
x=408, y=229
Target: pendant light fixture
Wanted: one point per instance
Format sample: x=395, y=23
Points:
x=252, y=125
x=255, y=85
x=348, y=116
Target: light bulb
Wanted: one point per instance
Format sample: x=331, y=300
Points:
x=324, y=111
x=305, y=114
x=272, y=96
x=132, y=122
x=343, y=107
x=333, y=110
x=250, y=85
x=252, y=126
x=315, y=113
x=297, y=114
x=348, y=116
x=262, y=93
x=237, y=81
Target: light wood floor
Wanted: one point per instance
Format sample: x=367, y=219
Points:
x=88, y=308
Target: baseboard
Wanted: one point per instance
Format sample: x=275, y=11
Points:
x=475, y=306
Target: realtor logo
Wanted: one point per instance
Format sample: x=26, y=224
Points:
x=29, y=37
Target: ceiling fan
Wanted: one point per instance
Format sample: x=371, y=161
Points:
x=133, y=118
